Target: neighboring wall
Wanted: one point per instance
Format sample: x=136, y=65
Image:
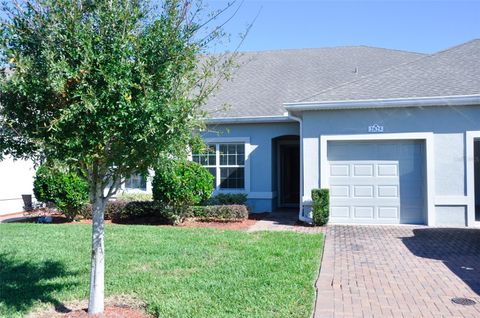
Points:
x=16, y=178
x=449, y=125
x=262, y=195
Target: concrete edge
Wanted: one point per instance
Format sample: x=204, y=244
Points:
x=324, y=302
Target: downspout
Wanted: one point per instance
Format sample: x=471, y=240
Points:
x=300, y=212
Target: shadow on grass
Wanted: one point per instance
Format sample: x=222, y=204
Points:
x=458, y=249
x=23, y=283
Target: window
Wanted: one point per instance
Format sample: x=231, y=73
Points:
x=208, y=159
x=136, y=181
x=226, y=162
x=232, y=166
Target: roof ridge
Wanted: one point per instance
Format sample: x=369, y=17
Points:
x=450, y=49
x=332, y=47
x=391, y=49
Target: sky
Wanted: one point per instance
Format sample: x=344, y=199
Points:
x=423, y=26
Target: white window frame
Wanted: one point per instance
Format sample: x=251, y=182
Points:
x=248, y=149
x=470, y=137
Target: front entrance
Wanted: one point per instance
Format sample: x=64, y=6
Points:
x=289, y=173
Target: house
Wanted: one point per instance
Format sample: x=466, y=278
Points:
x=16, y=178
x=394, y=135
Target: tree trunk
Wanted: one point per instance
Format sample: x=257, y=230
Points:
x=96, y=300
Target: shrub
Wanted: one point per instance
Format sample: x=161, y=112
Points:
x=135, y=196
x=113, y=210
x=121, y=211
x=233, y=212
x=67, y=190
x=320, y=206
x=182, y=183
x=227, y=199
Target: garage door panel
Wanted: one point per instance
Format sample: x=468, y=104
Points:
x=387, y=170
x=363, y=212
x=388, y=191
x=362, y=170
x=340, y=212
x=363, y=191
x=339, y=191
x=388, y=212
x=377, y=181
x=340, y=170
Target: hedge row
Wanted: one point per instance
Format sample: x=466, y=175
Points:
x=232, y=212
x=227, y=199
x=122, y=211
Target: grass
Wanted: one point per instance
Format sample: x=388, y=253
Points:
x=178, y=272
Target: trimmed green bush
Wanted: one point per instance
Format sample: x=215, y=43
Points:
x=121, y=211
x=113, y=210
x=164, y=214
x=181, y=184
x=67, y=190
x=320, y=206
x=135, y=196
x=227, y=199
x=234, y=212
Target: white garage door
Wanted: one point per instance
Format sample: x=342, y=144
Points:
x=376, y=182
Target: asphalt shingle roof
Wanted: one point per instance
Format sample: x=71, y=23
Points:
x=268, y=79
x=452, y=72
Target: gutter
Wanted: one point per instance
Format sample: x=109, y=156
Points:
x=300, y=211
x=247, y=120
x=458, y=100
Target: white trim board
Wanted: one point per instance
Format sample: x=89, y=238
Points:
x=248, y=150
x=456, y=100
x=451, y=200
x=429, y=159
x=470, y=137
x=248, y=120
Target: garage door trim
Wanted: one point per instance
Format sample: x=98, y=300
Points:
x=429, y=159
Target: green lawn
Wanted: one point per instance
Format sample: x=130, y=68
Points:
x=178, y=272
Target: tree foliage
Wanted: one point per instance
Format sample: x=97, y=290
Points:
x=108, y=87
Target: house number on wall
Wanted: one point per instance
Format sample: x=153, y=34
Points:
x=375, y=128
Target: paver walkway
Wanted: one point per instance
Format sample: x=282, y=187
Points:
x=283, y=220
x=398, y=271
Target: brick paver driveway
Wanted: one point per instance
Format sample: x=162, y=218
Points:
x=399, y=271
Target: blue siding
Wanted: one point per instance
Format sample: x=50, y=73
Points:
x=261, y=135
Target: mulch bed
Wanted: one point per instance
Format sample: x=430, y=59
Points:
x=58, y=218
x=121, y=306
x=109, y=312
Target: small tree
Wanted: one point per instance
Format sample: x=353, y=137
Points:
x=108, y=87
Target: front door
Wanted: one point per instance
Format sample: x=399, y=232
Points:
x=289, y=175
